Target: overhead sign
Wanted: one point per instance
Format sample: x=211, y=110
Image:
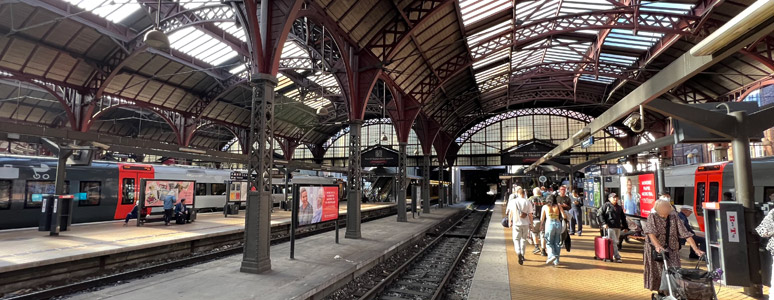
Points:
x=529, y=152
x=379, y=156
x=587, y=142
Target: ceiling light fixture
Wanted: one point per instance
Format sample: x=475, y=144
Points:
x=155, y=38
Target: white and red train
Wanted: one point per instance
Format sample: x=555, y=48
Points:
x=111, y=188
x=695, y=184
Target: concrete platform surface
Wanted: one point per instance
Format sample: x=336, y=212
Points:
x=319, y=263
x=491, y=278
x=20, y=249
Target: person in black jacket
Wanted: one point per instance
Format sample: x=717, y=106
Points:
x=614, y=220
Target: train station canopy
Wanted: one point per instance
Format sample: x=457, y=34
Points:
x=439, y=67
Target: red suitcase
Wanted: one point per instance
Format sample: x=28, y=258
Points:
x=603, y=248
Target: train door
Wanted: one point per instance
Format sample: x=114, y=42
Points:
x=129, y=176
x=707, y=188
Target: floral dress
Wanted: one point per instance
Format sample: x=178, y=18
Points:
x=657, y=225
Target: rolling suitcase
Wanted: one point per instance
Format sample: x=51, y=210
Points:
x=603, y=248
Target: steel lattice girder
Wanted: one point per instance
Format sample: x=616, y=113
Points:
x=464, y=136
x=626, y=18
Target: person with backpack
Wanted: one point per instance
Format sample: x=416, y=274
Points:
x=613, y=221
x=537, y=205
x=520, y=220
x=551, y=218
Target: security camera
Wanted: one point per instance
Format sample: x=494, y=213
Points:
x=631, y=120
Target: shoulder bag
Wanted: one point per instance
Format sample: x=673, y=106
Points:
x=659, y=256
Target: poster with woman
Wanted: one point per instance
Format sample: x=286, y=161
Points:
x=156, y=190
x=317, y=204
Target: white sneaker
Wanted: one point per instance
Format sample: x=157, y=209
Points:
x=551, y=260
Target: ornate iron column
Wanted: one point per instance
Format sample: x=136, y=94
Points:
x=426, y=184
x=441, y=192
x=354, y=181
x=256, y=257
x=402, y=183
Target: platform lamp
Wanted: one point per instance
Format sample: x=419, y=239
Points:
x=155, y=38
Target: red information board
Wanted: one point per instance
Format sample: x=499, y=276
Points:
x=638, y=194
x=317, y=204
x=647, y=194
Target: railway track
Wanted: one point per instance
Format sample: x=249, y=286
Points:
x=425, y=275
x=157, y=267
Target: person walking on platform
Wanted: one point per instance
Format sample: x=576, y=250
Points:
x=520, y=220
x=576, y=213
x=537, y=205
x=663, y=230
x=613, y=221
x=551, y=218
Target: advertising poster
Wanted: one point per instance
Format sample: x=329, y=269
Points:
x=317, y=204
x=647, y=194
x=158, y=190
x=597, y=192
x=638, y=194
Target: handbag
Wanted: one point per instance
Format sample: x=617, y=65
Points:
x=505, y=222
x=655, y=254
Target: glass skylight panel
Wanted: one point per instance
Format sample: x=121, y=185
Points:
x=617, y=59
x=658, y=6
x=110, y=10
x=198, y=44
x=599, y=79
x=499, y=55
x=282, y=81
x=240, y=70
x=489, y=32
x=477, y=10
x=485, y=75
x=531, y=11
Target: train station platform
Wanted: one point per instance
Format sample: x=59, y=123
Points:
x=319, y=266
x=579, y=276
x=93, y=247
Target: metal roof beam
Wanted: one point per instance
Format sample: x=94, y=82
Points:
x=677, y=72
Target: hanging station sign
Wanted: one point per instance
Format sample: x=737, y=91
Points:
x=529, y=152
x=379, y=156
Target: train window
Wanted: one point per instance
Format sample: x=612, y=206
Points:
x=714, y=191
x=700, y=191
x=201, y=189
x=768, y=194
x=35, y=190
x=218, y=189
x=127, y=195
x=679, y=195
x=93, y=190
x=5, y=194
